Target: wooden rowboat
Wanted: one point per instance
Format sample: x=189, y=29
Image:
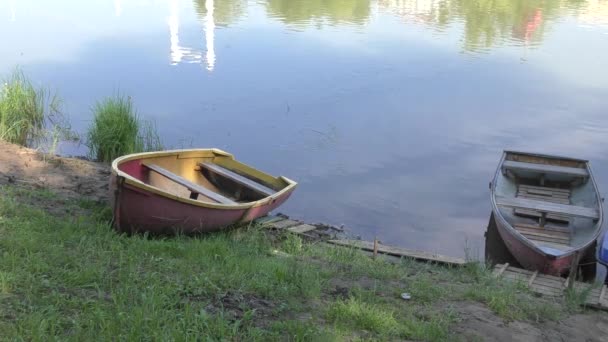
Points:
x=547, y=209
x=190, y=191
x=602, y=251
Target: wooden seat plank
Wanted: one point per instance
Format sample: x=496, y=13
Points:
x=195, y=188
x=536, y=214
x=547, y=207
x=544, y=192
x=561, y=230
x=545, y=188
x=244, y=181
x=553, y=236
x=545, y=168
x=544, y=198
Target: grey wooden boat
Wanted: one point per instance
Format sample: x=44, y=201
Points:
x=547, y=209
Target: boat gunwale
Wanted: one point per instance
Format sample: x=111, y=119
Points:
x=542, y=155
x=130, y=180
x=526, y=241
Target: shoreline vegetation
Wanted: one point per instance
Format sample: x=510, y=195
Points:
x=66, y=274
x=33, y=117
x=117, y=130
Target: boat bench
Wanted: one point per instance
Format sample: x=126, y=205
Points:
x=244, y=181
x=549, y=194
x=545, y=168
x=194, y=188
x=547, y=207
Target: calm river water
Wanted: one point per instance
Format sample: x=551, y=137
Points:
x=391, y=114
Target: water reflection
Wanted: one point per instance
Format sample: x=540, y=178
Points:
x=484, y=23
x=225, y=12
x=210, y=35
x=181, y=54
x=317, y=12
x=487, y=23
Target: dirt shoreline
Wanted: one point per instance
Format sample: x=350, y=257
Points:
x=76, y=179
x=71, y=178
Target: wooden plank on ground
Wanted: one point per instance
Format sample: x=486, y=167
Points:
x=285, y=224
x=545, y=168
x=542, y=206
x=269, y=220
x=303, y=228
x=400, y=252
x=548, y=285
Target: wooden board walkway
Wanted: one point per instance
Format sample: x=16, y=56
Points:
x=297, y=227
x=552, y=286
x=400, y=252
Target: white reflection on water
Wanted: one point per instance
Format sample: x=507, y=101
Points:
x=179, y=54
x=182, y=54
x=209, y=35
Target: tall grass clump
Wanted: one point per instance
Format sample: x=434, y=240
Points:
x=117, y=130
x=25, y=110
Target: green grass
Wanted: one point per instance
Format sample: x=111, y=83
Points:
x=69, y=276
x=117, y=130
x=24, y=110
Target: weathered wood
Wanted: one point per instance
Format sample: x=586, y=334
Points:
x=195, y=188
x=544, y=198
x=501, y=270
x=516, y=270
x=532, y=278
x=532, y=213
x=574, y=269
x=546, y=207
x=269, y=219
x=547, y=292
x=555, y=235
x=400, y=252
x=545, y=168
x=548, y=234
x=562, y=230
x=244, y=181
x=540, y=238
x=285, y=224
x=545, y=188
x=303, y=228
x=543, y=194
x=375, y=247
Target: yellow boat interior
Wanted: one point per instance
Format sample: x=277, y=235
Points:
x=210, y=175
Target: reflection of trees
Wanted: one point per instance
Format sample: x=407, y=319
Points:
x=489, y=21
x=225, y=12
x=333, y=11
x=486, y=22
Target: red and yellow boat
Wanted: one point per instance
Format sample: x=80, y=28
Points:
x=190, y=191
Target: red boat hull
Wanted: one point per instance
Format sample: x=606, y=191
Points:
x=531, y=258
x=136, y=210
